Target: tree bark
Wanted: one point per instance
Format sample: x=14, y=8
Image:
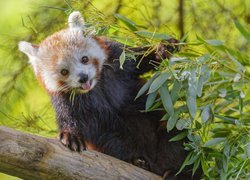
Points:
x=32, y=157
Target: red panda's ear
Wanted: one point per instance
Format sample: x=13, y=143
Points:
x=76, y=20
x=28, y=48
x=31, y=51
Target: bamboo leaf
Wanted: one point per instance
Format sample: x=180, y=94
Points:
x=214, y=42
x=175, y=91
x=172, y=121
x=196, y=165
x=122, y=59
x=165, y=117
x=166, y=100
x=185, y=163
x=191, y=95
x=227, y=119
x=200, y=86
x=205, y=74
x=213, y=142
x=190, y=159
x=183, y=123
x=153, y=35
x=206, y=114
x=240, y=67
x=129, y=23
x=180, y=136
x=150, y=99
x=123, y=40
x=158, y=82
x=146, y=85
x=204, y=166
x=203, y=58
x=242, y=30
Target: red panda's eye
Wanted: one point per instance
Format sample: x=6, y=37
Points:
x=84, y=59
x=64, y=72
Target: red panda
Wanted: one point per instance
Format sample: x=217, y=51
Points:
x=94, y=98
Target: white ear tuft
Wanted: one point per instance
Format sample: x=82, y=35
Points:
x=28, y=48
x=76, y=20
x=31, y=51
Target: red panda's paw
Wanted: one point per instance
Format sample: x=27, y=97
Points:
x=166, y=49
x=142, y=163
x=72, y=141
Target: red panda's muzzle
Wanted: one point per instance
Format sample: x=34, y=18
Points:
x=86, y=85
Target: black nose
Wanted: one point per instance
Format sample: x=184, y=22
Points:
x=83, y=78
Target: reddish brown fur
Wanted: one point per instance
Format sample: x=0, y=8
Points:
x=101, y=42
x=97, y=67
x=91, y=146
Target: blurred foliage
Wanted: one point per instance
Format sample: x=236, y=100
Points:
x=204, y=88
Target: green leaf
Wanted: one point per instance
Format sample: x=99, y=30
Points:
x=130, y=56
x=200, y=86
x=203, y=58
x=226, y=150
x=125, y=41
x=156, y=106
x=188, y=54
x=112, y=29
x=240, y=67
x=206, y=114
x=213, y=142
x=183, y=124
x=214, y=42
x=190, y=159
x=191, y=95
x=205, y=74
x=204, y=166
x=129, y=23
x=172, y=121
x=146, y=85
x=153, y=35
x=185, y=162
x=196, y=165
x=150, y=99
x=175, y=90
x=179, y=136
x=158, y=82
x=242, y=30
x=166, y=100
x=198, y=125
x=122, y=59
x=165, y=117
x=226, y=119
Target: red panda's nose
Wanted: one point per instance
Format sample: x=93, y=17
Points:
x=83, y=78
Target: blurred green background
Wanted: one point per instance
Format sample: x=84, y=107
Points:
x=25, y=105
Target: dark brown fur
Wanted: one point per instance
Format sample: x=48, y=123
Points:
x=109, y=120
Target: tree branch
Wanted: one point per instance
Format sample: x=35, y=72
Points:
x=32, y=157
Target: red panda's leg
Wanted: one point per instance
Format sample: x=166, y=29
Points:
x=70, y=126
x=72, y=140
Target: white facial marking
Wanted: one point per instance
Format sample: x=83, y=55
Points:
x=50, y=80
x=64, y=50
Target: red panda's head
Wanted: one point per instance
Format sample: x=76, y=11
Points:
x=67, y=60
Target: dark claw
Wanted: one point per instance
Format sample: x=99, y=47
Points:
x=72, y=141
x=142, y=163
